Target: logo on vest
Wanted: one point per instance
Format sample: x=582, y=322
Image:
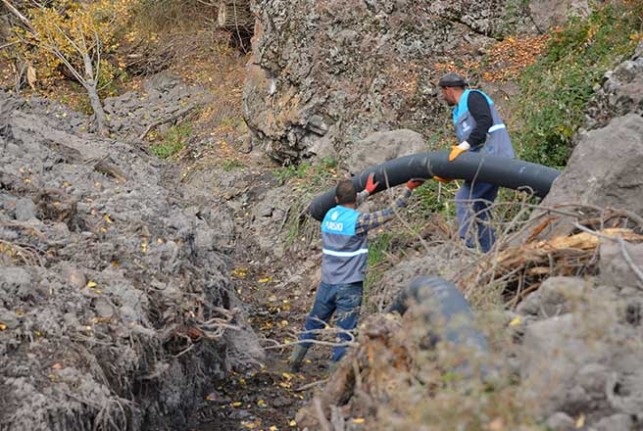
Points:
x=333, y=225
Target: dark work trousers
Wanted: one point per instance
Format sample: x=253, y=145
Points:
x=473, y=210
x=346, y=299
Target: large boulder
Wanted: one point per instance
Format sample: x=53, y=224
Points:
x=605, y=170
x=383, y=146
x=549, y=13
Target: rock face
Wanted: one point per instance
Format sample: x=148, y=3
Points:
x=621, y=92
x=327, y=73
x=109, y=283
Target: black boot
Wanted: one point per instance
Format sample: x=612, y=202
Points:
x=297, y=357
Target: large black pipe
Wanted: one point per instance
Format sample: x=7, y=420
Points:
x=510, y=173
x=447, y=312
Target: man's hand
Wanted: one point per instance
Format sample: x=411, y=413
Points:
x=456, y=150
x=414, y=183
x=370, y=184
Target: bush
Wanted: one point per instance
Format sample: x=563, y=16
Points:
x=556, y=90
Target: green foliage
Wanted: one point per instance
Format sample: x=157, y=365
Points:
x=555, y=90
x=174, y=141
x=231, y=165
x=314, y=173
x=434, y=197
x=378, y=247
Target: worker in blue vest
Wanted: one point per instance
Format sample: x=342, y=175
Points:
x=478, y=128
x=344, y=255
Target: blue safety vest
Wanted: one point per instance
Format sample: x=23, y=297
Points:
x=497, y=143
x=344, y=253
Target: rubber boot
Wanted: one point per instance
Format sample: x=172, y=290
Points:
x=297, y=357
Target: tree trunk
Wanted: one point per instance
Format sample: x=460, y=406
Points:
x=235, y=14
x=97, y=107
x=90, y=83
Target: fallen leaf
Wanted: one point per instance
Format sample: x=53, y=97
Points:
x=497, y=425
x=107, y=219
x=273, y=428
x=292, y=423
x=261, y=403
x=515, y=321
x=236, y=404
x=580, y=422
x=2, y=326
x=264, y=280
x=359, y=421
x=91, y=284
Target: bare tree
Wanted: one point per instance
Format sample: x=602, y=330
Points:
x=86, y=47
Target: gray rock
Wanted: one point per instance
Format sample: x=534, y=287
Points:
x=554, y=297
x=25, y=209
x=383, y=146
x=9, y=318
x=550, y=13
x=599, y=174
x=560, y=421
x=619, y=264
x=620, y=422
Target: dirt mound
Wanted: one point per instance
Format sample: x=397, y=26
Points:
x=115, y=306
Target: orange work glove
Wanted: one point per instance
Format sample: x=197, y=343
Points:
x=442, y=180
x=370, y=184
x=414, y=182
x=456, y=150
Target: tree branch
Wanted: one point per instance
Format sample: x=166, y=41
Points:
x=17, y=13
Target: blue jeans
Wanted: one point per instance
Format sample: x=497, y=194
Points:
x=346, y=299
x=473, y=210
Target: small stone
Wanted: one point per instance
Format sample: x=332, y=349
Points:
x=25, y=209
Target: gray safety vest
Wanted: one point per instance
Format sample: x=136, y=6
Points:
x=497, y=143
x=344, y=253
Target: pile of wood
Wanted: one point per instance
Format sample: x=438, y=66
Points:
x=520, y=269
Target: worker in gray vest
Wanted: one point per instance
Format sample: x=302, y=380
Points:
x=344, y=255
x=478, y=128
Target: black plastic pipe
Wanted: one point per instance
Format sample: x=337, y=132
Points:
x=448, y=313
x=509, y=173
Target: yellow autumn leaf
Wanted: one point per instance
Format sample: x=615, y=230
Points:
x=91, y=284
x=292, y=423
x=359, y=421
x=287, y=376
x=580, y=422
x=273, y=428
x=515, y=321
x=261, y=403
x=2, y=326
x=236, y=404
x=107, y=219
x=264, y=280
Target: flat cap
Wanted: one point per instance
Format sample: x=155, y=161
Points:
x=452, y=80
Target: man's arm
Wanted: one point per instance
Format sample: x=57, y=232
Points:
x=367, y=221
x=481, y=112
x=361, y=196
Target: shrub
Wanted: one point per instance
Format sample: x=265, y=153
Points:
x=555, y=90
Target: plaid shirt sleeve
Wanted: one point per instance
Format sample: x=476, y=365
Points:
x=367, y=221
